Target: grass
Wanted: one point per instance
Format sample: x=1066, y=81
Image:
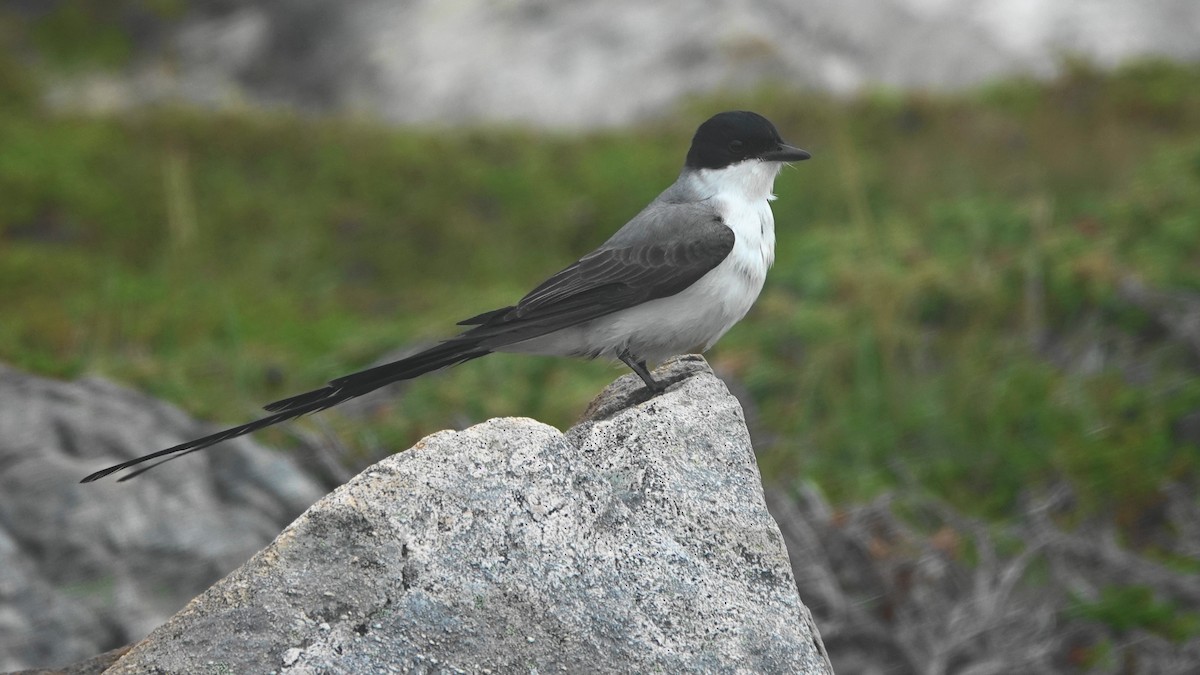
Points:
x=943, y=312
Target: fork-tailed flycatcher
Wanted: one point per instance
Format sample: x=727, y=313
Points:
x=672, y=280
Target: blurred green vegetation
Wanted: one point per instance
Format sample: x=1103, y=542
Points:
x=946, y=264
x=1134, y=607
x=71, y=35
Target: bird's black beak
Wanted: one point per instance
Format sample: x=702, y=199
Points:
x=785, y=153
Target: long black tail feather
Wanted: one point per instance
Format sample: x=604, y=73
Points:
x=492, y=330
x=449, y=353
x=212, y=439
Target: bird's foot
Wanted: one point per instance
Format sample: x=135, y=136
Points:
x=654, y=386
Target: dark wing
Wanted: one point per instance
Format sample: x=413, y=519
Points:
x=607, y=280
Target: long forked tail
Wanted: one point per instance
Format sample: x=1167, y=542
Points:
x=449, y=353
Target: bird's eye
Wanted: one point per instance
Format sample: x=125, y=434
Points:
x=735, y=147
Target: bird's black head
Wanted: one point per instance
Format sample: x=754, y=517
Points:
x=732, y=137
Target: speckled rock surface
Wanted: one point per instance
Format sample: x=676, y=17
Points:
x=637, y=541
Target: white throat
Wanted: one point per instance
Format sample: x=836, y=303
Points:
x=749, y=181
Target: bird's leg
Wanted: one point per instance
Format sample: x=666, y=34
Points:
x=639, y=367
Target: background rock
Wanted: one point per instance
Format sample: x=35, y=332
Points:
x=638, y=541
x=585, y=64
x=86, y=568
